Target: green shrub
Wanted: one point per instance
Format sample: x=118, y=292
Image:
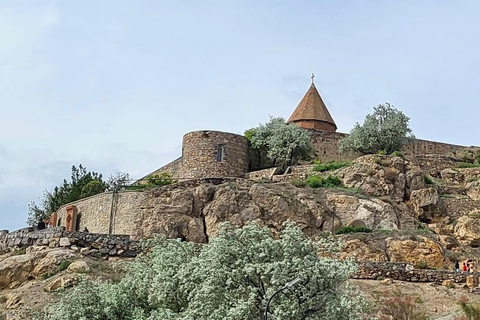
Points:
x=468, y=165
x=19, y=252
x=321, y=182
x=380, y=278
x=428, y=179
x=397, y=154
x=64, y=265
x=315, y=181
x=344, y=230
x=470, y=310
x=136, y=187
x=330, y=166
x=317, y=161
x=382, y=152
x=48, y=275
x=163, y=179
x=423, y=265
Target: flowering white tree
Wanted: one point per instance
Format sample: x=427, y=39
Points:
x=229, y=279
x=283, y=143
x=385, y=130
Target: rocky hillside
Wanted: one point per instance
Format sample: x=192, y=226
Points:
x=414, y=217
x=429, y=219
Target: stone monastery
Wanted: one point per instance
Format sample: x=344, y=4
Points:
x=209, y=154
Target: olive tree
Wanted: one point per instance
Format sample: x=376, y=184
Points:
x=386, y=129
x=284, y=144
x=229, y=279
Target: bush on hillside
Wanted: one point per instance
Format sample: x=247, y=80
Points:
x=230, y=278
x=330, y=166
x=321, y=182
x=385, y=131
x=283, y=144
x=344, y=230
x=471, y=310
x=396, y=305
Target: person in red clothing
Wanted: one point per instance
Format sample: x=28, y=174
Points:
x=464, y=268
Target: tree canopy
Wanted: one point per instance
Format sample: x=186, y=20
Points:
x=386, y=129
x=229, y=279
x=83, y=184
x=283, y=144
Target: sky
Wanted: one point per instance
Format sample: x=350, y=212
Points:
x=114, y=84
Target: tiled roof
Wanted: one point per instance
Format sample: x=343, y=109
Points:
x=311, y=107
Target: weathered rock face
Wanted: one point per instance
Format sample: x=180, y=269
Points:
x=427, y=205
x=382, y=176
x=473, y=189
x=371, y=213
x=361, y=251
x=421, y=250
x=16, y=270
x=467, y=230
x=194, y=214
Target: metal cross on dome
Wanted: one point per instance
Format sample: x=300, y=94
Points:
x=313, y=77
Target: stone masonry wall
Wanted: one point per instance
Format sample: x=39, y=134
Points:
x=399, y=271
x=173, y=169
x=95, y=212
x=261, y=174
x=326, y=144
x=199, y=159
x=95, y=244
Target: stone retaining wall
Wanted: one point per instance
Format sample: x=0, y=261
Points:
x=95, y=244
x=261, y=174
x=399, y=271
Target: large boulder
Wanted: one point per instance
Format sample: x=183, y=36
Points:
x=15, y=270
x=371, y=213
x=265, y=204
x=420, y=249
x=427, y=205
x=78, y=266
x=467, y=230
x=50, y=262
x=376, y=175
x=473, y=189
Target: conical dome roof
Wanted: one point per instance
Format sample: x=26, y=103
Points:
x=312, y=111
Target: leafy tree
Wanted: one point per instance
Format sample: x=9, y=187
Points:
x=385, y=130
x=92, y=188
x=229, y=279
x=283, y=144
x=65, y=193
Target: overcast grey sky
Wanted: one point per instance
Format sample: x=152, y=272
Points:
x=115, y=84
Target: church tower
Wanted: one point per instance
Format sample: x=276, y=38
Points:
x=311, y=112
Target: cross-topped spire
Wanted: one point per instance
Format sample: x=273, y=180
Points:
x=313, y=77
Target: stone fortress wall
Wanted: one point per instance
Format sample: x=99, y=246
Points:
x=213, y=154
x=105, y=213
x=207, y=154
x=326, y=145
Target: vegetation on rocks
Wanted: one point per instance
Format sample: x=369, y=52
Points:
x=231, y=278
x=330, y=166
x=344, y=230
x=324, y=182
x=386, y=130
x=279, y=144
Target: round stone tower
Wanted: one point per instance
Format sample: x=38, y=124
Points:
x=209, y=154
